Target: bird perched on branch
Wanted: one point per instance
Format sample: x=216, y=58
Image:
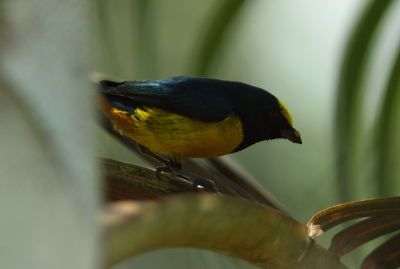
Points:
x=194, y=117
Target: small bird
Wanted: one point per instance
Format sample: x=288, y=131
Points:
x=194, y=117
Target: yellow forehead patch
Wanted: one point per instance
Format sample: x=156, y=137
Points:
x=285, y=113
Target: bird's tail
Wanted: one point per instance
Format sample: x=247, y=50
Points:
x=104, y=86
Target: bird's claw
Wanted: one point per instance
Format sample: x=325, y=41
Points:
x=196, y=180
x=206, y=183
x=161, y=169
x=176, y=167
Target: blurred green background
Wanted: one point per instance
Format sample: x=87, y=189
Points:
x=334, y=63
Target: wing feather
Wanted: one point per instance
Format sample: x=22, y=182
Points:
x=201, y=99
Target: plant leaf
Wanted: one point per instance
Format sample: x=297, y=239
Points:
x=127, y=181
x=386, y=256
x=349, y=90
x=363, y=232
x=335, y=215
x=253, y=232
x=384, y=129
x=215, y=32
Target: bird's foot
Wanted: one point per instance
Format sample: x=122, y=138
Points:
x=196, y=180
x=177, y=169
x=147, y=152
x=161, y=169
x=166, y=169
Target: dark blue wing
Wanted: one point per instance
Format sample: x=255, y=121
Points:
x=202, y=99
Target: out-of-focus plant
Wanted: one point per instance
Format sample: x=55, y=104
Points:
x=351, y=136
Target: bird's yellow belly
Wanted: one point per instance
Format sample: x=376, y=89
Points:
x=178, y=136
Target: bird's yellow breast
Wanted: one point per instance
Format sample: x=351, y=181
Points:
x=178, y=136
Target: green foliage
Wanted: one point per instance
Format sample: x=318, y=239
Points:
x=351, y=94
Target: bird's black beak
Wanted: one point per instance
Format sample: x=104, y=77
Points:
x=292, y=135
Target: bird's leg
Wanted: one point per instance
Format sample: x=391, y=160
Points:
x=166, y=168
x=177, y=168
x=147, y=152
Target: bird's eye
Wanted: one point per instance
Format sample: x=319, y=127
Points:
x=274, y=118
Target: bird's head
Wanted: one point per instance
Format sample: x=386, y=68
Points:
x=282, y=124
x=268, y=119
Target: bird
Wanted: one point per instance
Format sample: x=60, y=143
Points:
x=193, y=117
